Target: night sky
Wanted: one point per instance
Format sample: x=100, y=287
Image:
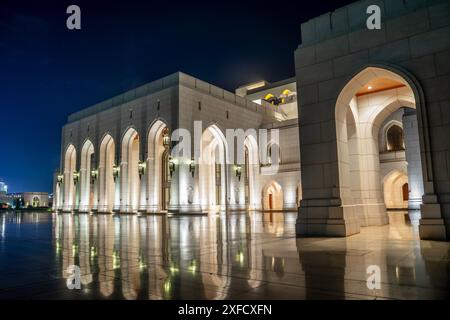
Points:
x=48, y=72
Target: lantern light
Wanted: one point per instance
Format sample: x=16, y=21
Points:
x=76, y=177
x=116, y=172
x=166, y=138
x=238, y=169
x=141, y=167
x=192, y=167
x=94, y=175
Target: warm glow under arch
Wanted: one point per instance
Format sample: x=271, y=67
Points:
x=393, y=185
x=273, y=197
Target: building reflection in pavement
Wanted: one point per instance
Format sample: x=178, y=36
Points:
x=160, y=257
x=220, y=256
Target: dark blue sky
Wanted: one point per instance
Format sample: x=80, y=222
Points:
x=48, y=72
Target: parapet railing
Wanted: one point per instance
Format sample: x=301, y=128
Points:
x=168, y=82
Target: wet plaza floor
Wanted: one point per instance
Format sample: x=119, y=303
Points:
x=220, y=256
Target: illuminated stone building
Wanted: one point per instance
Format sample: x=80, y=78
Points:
x=371, y=108
x=117, y=155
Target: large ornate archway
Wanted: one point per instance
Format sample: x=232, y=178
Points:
x=346, y=193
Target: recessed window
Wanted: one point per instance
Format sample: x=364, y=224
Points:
x=394, y=139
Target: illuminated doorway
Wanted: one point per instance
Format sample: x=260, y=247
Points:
x=272, y=197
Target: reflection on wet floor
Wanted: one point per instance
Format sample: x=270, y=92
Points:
x=220, y=256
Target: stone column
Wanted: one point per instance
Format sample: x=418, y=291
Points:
x=322, y=211
x=415, y=178
x=124, y=187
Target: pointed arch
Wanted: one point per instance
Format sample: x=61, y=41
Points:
x=86, y=166
x=272, y=195
x=70, y=167
x=157, y=192
x=107, y=186
x=213, y=169
x=370, y=111
x=393, y=188
x=129, y=171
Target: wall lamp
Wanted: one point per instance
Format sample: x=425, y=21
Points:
x=60, y=179
x=116, y=172
x=76, y=177
x=94, y=175
x=141, y=167
x=238, y=169
x=192, y=167
x=166, y=138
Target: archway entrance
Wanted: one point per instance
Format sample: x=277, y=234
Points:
x=70, y=161
x=213, y=170
x=107, y=176
x=365, y=103
x=396, y=190
x=86, y=185
x=272, y=197
x=129, y=169
x=158, y=177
